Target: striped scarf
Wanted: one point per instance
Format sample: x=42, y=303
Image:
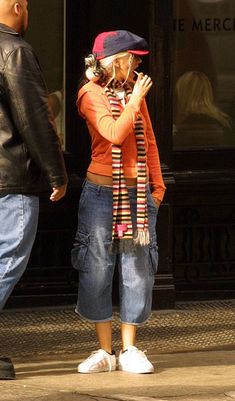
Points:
x=122, y=234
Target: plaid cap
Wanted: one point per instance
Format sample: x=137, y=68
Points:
x=109, y=43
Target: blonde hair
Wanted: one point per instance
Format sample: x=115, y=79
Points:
x=107, y=61
x=194, y=95
x=97, y=70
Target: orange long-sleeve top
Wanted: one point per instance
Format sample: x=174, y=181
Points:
x=93, y=105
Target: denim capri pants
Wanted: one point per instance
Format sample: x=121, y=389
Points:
x=91, y=256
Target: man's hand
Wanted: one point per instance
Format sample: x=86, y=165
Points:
x=58, y=193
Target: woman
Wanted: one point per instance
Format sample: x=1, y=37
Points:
x=198, y=121
x=117, y=212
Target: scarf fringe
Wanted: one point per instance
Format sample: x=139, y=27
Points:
x=142, y=238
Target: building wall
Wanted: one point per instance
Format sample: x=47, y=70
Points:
x=195, y=228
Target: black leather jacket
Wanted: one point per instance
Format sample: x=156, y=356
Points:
x=30, y=153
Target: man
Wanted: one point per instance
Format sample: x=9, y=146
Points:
x=30, y=153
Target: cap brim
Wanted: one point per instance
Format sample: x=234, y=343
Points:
x=139, y=52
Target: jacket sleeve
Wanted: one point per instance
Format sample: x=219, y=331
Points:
x=28, y=102
x=153, y=161
x=93, y=107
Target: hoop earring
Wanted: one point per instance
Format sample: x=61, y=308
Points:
x=129, y=68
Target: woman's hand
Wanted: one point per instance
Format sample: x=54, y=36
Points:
x=141, y=88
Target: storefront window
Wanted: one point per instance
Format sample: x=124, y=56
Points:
x=204, y=74
x=46, y=35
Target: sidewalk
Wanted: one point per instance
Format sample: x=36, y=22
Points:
x=208, y=376
x=185, y=371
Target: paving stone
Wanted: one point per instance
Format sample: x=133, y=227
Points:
x=121, y=397
x=231, y=394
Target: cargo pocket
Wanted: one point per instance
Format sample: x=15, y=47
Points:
x=79, y=251
x=153, y=254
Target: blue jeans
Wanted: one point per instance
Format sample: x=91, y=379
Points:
x=91, y=256
x=18, y=222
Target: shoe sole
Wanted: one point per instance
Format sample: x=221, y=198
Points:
x=96, y=371
x=7, y=377
x=137, y=372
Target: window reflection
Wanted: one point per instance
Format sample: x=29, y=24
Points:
x=197, y=118
x=204, y=73
x=46, y=35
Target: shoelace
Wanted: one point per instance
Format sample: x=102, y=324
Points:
x=140, y=353
x=105, y=357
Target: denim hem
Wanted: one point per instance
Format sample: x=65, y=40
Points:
x=136, y=323
x=92, y=321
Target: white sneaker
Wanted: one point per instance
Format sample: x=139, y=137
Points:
x=135, y=361
x=98, y=361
